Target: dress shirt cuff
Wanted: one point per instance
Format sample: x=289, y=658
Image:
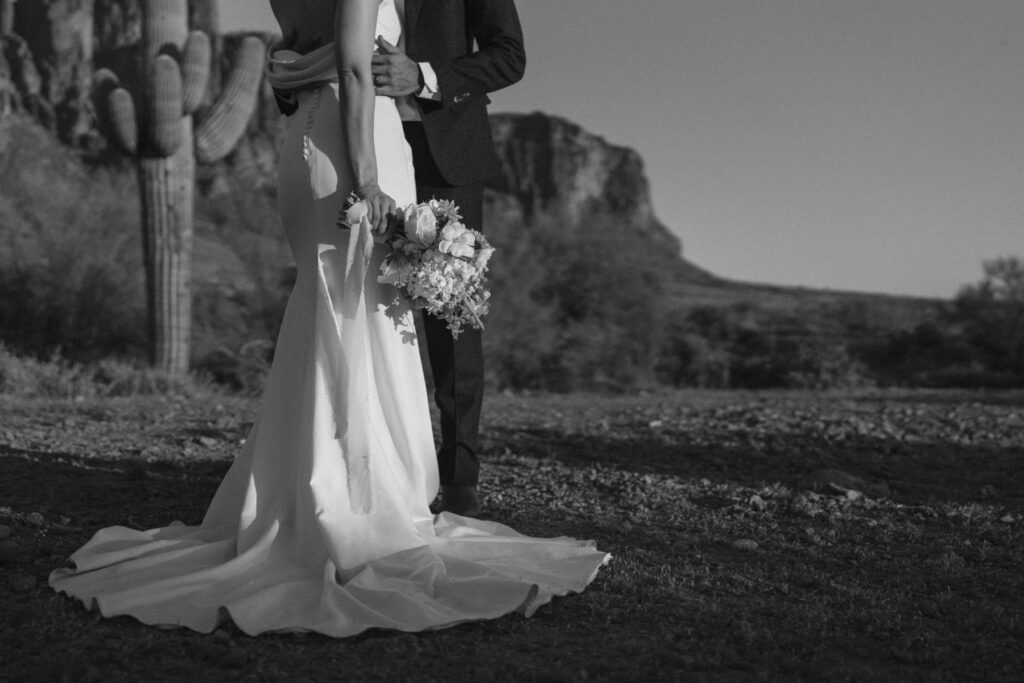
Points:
x=431, y=90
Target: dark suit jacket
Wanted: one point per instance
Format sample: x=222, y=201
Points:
x=442, y=32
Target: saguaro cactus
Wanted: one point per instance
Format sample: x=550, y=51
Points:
x=156, y=126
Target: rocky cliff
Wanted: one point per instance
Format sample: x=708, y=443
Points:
x=46, y=62
x=553, y=166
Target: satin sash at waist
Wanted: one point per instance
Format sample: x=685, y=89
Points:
x=288, y=71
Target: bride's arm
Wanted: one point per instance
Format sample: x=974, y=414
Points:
x=355, y=22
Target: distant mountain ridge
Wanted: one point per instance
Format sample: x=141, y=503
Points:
x=553, y=166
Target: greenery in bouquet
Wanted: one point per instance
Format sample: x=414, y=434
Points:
x=435, y=260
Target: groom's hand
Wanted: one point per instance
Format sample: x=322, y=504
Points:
x=394, y=74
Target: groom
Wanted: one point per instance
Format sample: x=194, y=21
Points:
x=452, y=53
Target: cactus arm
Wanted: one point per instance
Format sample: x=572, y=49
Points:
x=195, y=68
x=232, y=111
x=101, y=90
x=165, y=107
x=121, y=108
x=103, y=83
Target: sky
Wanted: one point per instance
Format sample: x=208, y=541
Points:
x=868, y=145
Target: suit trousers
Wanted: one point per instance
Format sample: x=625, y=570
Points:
x=456, y=364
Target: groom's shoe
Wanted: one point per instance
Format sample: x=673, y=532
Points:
x=460, y=500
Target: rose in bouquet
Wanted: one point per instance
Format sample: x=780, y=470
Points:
x=434, y=260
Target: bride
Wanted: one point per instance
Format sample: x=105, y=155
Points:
x=322, y=523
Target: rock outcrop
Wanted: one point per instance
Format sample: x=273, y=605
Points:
x=50, y=55
x=553, y=166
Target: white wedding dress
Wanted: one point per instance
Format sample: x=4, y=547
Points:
x=322, y=522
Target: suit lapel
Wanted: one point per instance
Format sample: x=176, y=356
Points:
x=412, y=13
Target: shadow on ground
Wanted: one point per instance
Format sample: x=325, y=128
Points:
x=915, y=472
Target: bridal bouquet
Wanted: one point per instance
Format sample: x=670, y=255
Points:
x=434, y=260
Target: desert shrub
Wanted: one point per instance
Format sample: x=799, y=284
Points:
x=992, y=315
x=111, y=378
x=577, y=305
x=244, y=371
x=59, y=378
x=71, y=266
x=83, y=304
x=523, y=331
x=741, y=347
x=977, y=343
x=820, y=365
x=711, y=367
x=31, y=377
x=244, y=276
x=757, y=362
x=711, y=323
x=914, y=357
x=689, y=360
x=677, y=353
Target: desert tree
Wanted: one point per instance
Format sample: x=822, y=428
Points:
x=992, y=312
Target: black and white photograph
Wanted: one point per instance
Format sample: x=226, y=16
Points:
x=511, y=340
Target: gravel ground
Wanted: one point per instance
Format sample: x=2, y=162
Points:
x=756, y=536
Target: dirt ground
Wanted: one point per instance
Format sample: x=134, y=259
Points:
x=756, y=536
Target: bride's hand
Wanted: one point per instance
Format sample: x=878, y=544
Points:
x=378, y=206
